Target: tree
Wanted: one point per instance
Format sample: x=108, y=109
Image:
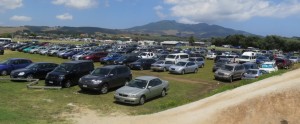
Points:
x=191, y=40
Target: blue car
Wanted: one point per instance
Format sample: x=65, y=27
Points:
x=110, y=58
x=68, y=55
x=12, y=64
x=262, y=59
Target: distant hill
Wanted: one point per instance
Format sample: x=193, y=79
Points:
x=166, y=27
x=201, y=30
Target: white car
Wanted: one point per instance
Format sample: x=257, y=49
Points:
x=147, y=55
x=211, y=56
x=269, y=67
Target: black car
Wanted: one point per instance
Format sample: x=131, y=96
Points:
x=34, y=71
x=142, y=64
x=126, y=59
x=68, y=73
x=106, y=77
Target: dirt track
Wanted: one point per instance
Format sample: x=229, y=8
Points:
x=271, y=101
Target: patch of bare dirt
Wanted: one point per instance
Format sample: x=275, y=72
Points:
x=271, y=101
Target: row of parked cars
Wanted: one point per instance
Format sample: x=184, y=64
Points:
x=83, y=74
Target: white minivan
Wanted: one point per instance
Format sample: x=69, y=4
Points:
x=247, y=57
x=177, y=57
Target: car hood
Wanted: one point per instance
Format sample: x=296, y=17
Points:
x=3, y=66
x=136, y=63
x=129, y=90
x=175, y=66
x=224, y=71
x=22, y=70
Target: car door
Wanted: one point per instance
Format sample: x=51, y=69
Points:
x=154, y=89
x=114, y=79
x=190, y=67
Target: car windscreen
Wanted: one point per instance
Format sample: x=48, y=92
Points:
x=293, y=57
x=266, y=66
x=32, y=66
x=64, y=67
x=171, y=56
x=252, y=72
x=245, y=57
x=159, y=62
x=100, y=71
x=227, y=68
x=4, y=62
x=181, y=63
x=138, y=83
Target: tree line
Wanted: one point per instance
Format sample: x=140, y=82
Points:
x=269, y=42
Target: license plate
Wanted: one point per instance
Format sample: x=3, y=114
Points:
x=51, y=82
x=84, y=85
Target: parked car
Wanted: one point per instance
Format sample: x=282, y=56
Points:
x=176, y=57
x=262, y=59
x=250, y=65
x=295, y=59
x=230, y=72
x=94, y=56
x=67, y=74
x=34, y=71
x=80, y=54
x=184, y=67
x=253, y=73
x=142, y=88
x=221, y=62
x=142, y=64
x=161, y=65
x=110, y=58
x=269, y=67
x=148, y=55
x=211, y=56
x=104, y=78
x=198, y=60
x=69, y=54
x=12, y=64
x=126, y=59
x=283, y=63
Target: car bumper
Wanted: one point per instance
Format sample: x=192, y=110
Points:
x=90, y=86
x=129, y=100
x=53, y=82
x=223, y=77
x=157, y=68
x=175, y=71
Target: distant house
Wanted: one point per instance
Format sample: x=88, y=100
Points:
x=174, y=43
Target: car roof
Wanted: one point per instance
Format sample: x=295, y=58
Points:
x=112, y=66
x=146, y=77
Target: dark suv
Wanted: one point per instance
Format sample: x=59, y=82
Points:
x=68, y=73
x=106, y=77
x=142, y=64
x=35, y=70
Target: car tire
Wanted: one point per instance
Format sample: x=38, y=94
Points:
x=67, y=84
x=231, y=79
x=142, y=100
x=164, y=69
x=182, y=72
x=202, y=65
x=141, y=68
x=163, y=93
x=4, y=73
x=29, y=77
x=104, y=88
x=196, y=70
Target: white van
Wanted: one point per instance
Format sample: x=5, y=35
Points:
x=247, y=57
x=177, y=57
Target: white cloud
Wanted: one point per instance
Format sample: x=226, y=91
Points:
x=158, y=12
x=191, y=11
x=78, y=4
x=20, y=18
x=10, y=4
x=65, y=16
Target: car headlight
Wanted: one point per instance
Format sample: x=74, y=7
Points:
x=132, y=95
x=21, y=73
x=61, y=77
x=97, y=81
x=226, y=74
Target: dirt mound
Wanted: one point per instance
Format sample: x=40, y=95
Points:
x=271, y=101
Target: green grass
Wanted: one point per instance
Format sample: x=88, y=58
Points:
x=21, y=105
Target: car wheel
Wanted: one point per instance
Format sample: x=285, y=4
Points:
x=196, y=70
x=104, y=89
x=4, y=73
x=141, y=68
x=142, y=100
x=164, y=69
x=67, y=84
x=163, y=93
x=202, y=65
x=182, y=72
x=231, y=79
x=29, y=77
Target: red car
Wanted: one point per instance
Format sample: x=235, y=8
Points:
x=95, y=56
x=283, y=63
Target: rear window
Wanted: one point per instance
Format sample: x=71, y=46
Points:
x=184, y=56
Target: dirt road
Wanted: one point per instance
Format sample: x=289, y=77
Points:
x=274, y=100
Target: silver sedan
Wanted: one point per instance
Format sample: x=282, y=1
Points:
x=183, y=67
x=140, y=89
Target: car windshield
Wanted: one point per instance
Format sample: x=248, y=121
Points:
x=261, y=57
x=252, y=71
x=245, y=57
x=64, y=67
x=4, y=62
x=293, y=57
x=32, y=66
x=122, y=58
x=171, y=56
x=159, y=62
x=227, y=68
x=266, y=66
x=143, y=54
x=222, y=61
x=138, y=83
x=181, y=63
x=139, y=60
x=100, y=71
x=192, y=59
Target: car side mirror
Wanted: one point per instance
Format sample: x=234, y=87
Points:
x=149, y=87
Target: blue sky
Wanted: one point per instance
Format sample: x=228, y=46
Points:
x=262, y=17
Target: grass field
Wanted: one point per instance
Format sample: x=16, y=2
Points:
x=21, y=105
